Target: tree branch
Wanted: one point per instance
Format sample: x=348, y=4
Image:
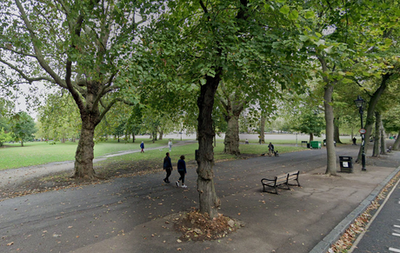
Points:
x=203, y=6
x=38, y=53
x=74, y=93
x=16, y=52
x=24, y=76
x=104, y=89
x=106, y=109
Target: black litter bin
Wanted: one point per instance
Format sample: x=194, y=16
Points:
x=346, y=164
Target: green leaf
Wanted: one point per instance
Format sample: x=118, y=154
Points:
x=309, y=14
x=329, y=50
x=304, y=38
x=320, y=42
x=285, y=9
x=276, y=45
x=294, y=15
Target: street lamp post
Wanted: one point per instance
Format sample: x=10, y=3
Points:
x=360, y=103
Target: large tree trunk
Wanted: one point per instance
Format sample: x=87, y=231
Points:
x=383, y=137
x=215, y=136
x=232, y=107
x=330, y=147
x=371, y=110
x=232, y=135
x=127, y=135
x=208, y=200
x=375, y=152
x=396, y=144
x=336, y=133
x=311, y=137
x=161, y=134
x=84, y=152
x=262, y=128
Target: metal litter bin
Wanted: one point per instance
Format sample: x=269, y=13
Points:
x=346, y=164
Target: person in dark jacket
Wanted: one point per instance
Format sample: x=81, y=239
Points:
x=142, y=147
x=182, y=171
x=271, y=149
x=167, y=167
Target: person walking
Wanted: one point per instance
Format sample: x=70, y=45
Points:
x=167, y=167
x=142, y=147
x=182, y=171
x=170, y=145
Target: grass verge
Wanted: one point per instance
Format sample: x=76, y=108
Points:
x=36, y=153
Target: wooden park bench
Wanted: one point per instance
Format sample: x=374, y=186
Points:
x=281, y=180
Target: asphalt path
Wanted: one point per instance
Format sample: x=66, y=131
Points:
x=383, y=234
x=65, y=220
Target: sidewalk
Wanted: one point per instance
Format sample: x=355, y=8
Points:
x=305, y=219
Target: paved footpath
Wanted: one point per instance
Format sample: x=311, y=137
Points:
x=136, y=214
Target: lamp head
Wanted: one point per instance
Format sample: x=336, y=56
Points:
x=359, y=102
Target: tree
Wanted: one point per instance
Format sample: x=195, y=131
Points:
x=347, y=39
x=22, y=127
x=78, y=46
x=327, y=38
x=232, y=104
x=308, y=122
x=371, y=108
x=6, y=107
x=390, y=117
x=4, y=136
x=233, y=96
x=199, y=44
x=59, y=117
x=377, y=64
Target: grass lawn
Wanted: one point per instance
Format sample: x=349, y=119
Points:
x=152, y=160
x=36, y=153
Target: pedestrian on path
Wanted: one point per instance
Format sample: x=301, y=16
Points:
x=182, y=171
x=170, y=145
x=142, y=147
x=167, y=167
